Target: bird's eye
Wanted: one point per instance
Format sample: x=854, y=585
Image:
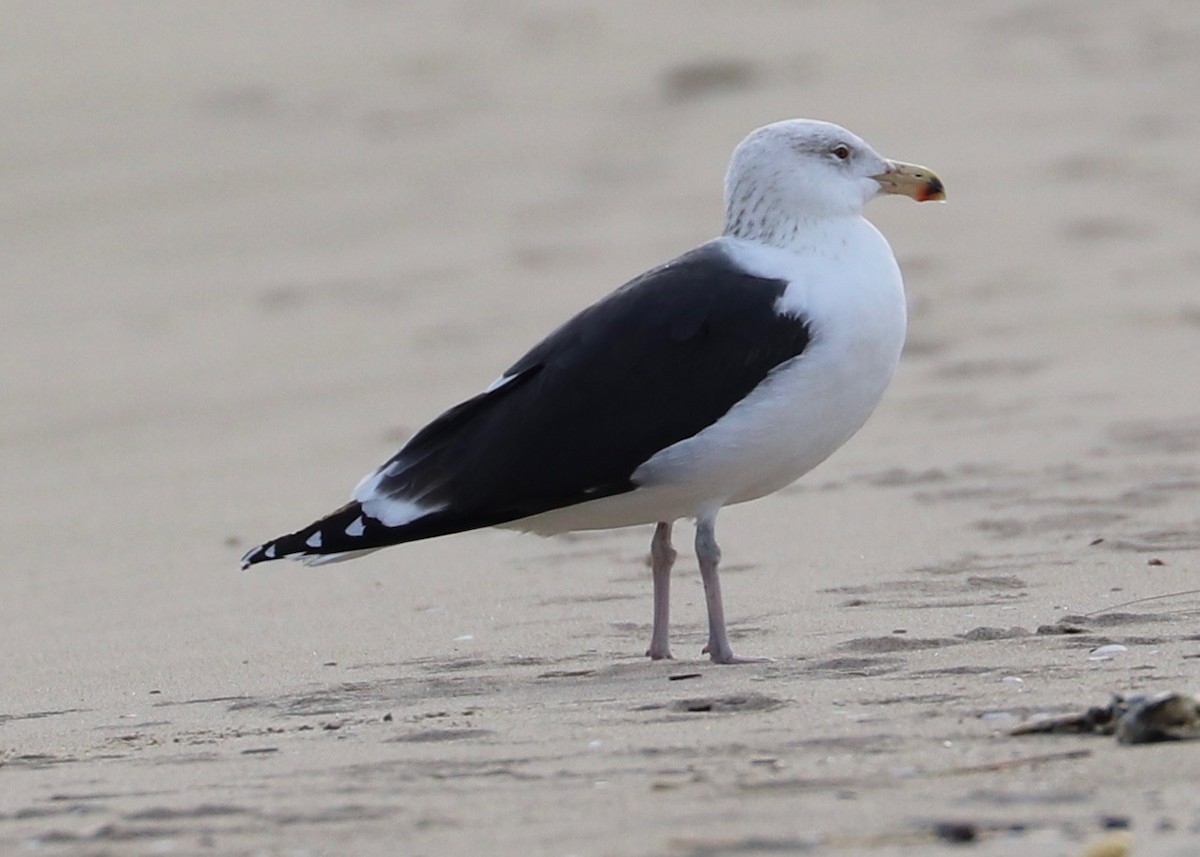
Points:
x=841, y=151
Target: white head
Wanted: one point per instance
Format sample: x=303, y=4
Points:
x=789, y=174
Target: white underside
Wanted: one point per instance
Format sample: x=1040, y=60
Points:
x=329, y=558
x=853, y=298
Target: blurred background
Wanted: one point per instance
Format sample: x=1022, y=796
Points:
x=248, y=247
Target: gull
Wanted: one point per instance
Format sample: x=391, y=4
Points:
x=719, y=377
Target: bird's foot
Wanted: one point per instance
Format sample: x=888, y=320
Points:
x=659, y=653
x=725, y=655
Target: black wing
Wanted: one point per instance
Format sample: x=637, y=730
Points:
x=652, y=364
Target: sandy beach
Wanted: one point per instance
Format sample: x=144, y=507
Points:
x=248, y=249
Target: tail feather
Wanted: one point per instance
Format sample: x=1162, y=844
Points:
x=340, y=535
x=377, y=522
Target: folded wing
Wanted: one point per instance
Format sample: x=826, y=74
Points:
x=652, y=364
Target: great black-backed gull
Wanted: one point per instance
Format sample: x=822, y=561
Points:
x=717, y=378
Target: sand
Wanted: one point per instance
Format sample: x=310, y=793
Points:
x=248, y=248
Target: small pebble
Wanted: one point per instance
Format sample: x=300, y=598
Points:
x=1117, y=844
x=1105, y=653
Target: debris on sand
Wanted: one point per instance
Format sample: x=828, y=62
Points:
x=1133, y=719
x=1109, y=845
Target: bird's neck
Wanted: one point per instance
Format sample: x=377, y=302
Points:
x=785, y=231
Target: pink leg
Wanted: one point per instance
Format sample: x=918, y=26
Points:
x=709, y=555
x=662, y=557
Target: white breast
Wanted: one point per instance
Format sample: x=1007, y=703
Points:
x=853, y=297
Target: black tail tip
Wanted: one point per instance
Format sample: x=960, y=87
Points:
x=262, y=553
x=338, y=533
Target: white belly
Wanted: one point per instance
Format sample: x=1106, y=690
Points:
x=803, y=411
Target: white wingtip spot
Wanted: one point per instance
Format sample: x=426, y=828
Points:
x=356, y=528
x=269, y=553
x=314, y=541
x=498, y=383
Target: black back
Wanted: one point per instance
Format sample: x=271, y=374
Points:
x=652, y=364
